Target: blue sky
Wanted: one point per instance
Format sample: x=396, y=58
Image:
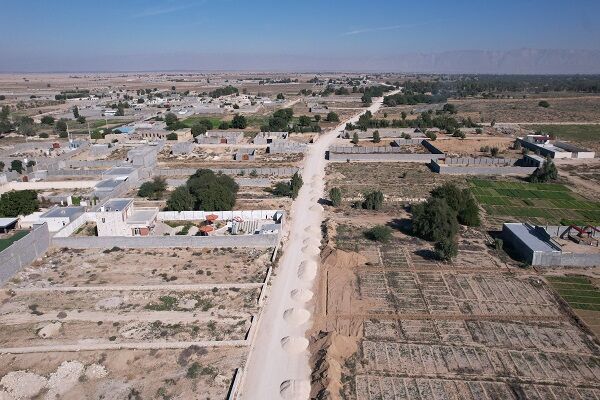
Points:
x=151, y=34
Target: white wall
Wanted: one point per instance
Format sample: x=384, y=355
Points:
x=44, y=185
x=55, y=224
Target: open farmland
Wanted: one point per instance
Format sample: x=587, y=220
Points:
x=464, y=330
x=397, y=181
x=551, y=204
x=94, y=314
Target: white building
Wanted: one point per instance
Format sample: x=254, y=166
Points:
x=118, y=217
x=58, y=217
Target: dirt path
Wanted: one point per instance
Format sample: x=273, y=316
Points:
x=278, y=360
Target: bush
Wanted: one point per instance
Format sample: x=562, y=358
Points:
x=373, y=200
x=154, y=188
x=494, y=151
x=461, y=202
x=172, y=136
x=545, y=173
x=43, y=135
x=434, y=220
x=239, y=122
x=288, y=189
x=18, y=202
x=332, y=117
x=47, y=120
x=544, y=103
x=379, y=233
x=335, y=195
x=376, y=137
x=201, y=126
x=354, y=138
x=446, y=249
x=431, y=135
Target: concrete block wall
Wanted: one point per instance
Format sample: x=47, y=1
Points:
x=24, y=251
x=383, y=157
x=286, y=171
x=142, y=242
x=223, y=215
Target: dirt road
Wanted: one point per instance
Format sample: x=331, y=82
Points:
x=278, y=361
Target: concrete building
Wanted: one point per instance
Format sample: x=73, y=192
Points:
x=119, y=217
x=552, y=246
x=8, y=224
x=58, y=217
x=182, y=148
x=270, y=137
x=540, y=144
x=144, y=156
x=244, y=155
x=220, y=137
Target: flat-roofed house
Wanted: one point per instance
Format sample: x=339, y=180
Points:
x=119, y=217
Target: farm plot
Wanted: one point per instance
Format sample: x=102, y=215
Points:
x=578, y=291
x=152, y=310
x=536, y=203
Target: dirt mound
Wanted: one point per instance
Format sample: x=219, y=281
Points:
x=307, y=270
x=22, y=385
x=328, y=350
x=294, y=344
x=294, y=390
x=334, y=258
x=302, y=295
x=296, y=316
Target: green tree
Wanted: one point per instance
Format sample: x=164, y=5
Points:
x=373, y=200
x=403, y=115
x=2, y=165
x=544, y=104
x=431, y=135
x=210, y=191
x=60, y=125
x=16, y=165
x=201, y=126
x=376, y=137
x=154, y=188
x=295, y=185
x=280, y=96
x=170, y=119
x=76, y=112
x=494, y=151
x=20, y=202
x=446, y=248
x=239, y=122
x=335, y=195
x=332, y=117
x=181, y=200
x=47, y=120
x=434, y=220
x=304, y=120
x=546, y=173
x=81, y=119
x=317, y=118
x=379, y=233
x=224, y=125
x=172, y=136
x=354, y=138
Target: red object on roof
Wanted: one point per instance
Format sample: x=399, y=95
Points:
x=212, y=217
x=206, y=229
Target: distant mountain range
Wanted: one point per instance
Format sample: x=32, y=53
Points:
x=521, y=61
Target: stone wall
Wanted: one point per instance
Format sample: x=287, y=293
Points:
x=142, y=242
x=286, y=171
x=23, y=252
x=383, y=157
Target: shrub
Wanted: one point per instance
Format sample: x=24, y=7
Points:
x=434, y=220
x=172, y=136
x=379, y=233
x=446, y=249
x=373, y=200
x=335, y=195
x=544, y=104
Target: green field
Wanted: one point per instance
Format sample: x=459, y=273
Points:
x=579, y=133
x=190, y=121
x=537, y=203
x=4, y=243
x=578, y=291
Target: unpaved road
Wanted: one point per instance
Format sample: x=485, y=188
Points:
x=278, y=364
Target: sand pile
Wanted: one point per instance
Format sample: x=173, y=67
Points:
x=295, y=390
x=307, y=270
x=302, y=295
x=64, y=379
x=296, y=316
x=294, y=344
x=328, y=351
x=21, y=385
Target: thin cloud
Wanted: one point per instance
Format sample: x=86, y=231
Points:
x=379, y=28
x=151, y=12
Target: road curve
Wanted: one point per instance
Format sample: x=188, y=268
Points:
x=274, y=367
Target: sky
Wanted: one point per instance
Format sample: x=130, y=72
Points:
x=110, y=35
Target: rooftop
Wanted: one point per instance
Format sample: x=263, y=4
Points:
x=63, y=212
x=120, y=171
x=142, y=215
x=117, y=204
x=535, y=239
x=5, y=222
